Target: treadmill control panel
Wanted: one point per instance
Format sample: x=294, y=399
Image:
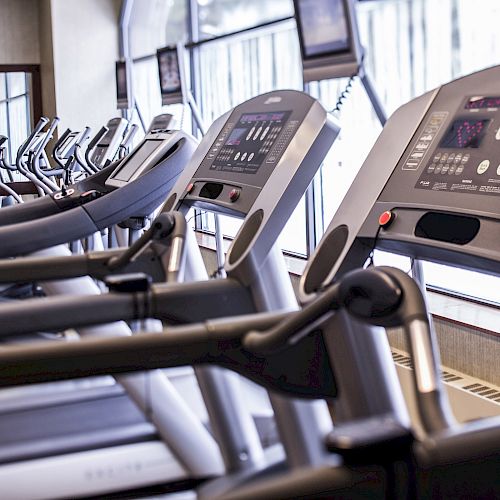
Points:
x=244, y=146
x=466, y=157
x=237, y=164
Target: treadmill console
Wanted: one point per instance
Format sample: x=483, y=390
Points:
x=245, y=152
x=151, y=151
x=453, y=159
x=464, y=158
x=429, y=189
x=160, y=123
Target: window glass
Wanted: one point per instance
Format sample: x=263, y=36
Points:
x=232, y=71
x=18, y=119
x=431, y=43
x=217, y=17
x=4, y=128
x=3, y=94
x=16, y=84
x=155, y=24
x=148, y=98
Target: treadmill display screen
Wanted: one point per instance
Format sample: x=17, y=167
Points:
x=323, y=27
x=135, y=162
x=465, y=133
x=249, y=142
x=482, y=102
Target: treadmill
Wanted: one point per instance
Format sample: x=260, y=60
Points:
x=134, y=187
x=398, y=202
x=254, y=163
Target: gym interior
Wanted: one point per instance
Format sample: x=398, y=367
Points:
x=247, y=251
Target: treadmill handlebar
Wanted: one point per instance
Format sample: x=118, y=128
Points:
x=161, y=227
x=371, y=295
x=381, y=296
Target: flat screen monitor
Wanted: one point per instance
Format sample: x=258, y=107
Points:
x=328, y=38
x=123, y=93
x=169, y=69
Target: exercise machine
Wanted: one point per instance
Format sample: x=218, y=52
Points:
x=145, y=178
x=254, y=163
x=427, y=190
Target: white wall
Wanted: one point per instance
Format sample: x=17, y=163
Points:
x=19, y=32
x=85, y=48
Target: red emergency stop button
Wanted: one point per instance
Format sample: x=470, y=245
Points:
x=234, y=194
x=385, y=219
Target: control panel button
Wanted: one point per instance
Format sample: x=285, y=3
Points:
x=189, y=188
x=483, y=166
x=386, y=218
x=234, y=194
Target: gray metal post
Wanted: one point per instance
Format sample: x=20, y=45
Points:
x=364, y=369
x=124, y=38
x=373, y=96
x=302, y=425
x=219, y=243
x=231, y=422
x=417, y=272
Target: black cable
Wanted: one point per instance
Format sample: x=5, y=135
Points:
x=371, y=263
x=344, y=94
x=203, y=212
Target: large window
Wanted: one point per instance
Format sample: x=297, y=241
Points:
x=238, y=70
x=14, y=110
x=218, y=17
x=411, y=46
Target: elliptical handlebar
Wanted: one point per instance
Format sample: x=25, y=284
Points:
x=37, y=151
x=84, y=137
x=92, y=144
x=48, y=136
x=57, y=145
x=127, y=140
x=3, y=163
x=27, y=143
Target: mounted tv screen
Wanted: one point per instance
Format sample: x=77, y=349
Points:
x=123, y=92
x=170, y=73
x=328, y=37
